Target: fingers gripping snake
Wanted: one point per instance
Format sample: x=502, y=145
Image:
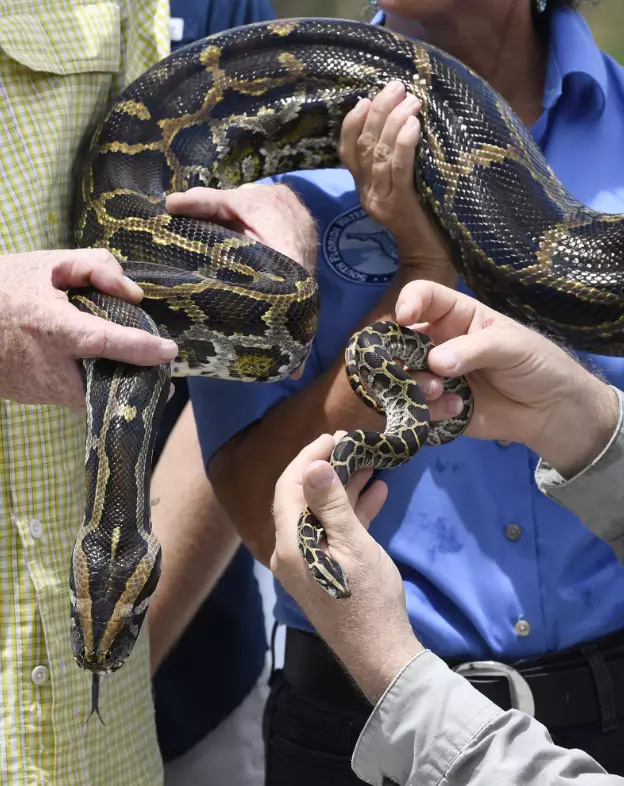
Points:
x=258, y=101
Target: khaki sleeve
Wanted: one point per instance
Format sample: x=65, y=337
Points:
x=433, y=728
x=595, y=495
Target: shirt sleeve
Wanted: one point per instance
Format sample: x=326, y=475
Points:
x=595, y=495
x=433, y=728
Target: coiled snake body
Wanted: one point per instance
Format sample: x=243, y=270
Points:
x=262, y=100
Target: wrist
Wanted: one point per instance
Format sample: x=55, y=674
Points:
x=375, y=664
x=580, y=427
x=416, y=264
x=373, y=649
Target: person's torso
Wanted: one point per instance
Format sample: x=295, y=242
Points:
x=491, y=566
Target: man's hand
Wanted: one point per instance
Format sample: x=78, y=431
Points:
x=272, y=214
x=526, y=388
x=378, y=145
x=42, y=335
x=370, y=630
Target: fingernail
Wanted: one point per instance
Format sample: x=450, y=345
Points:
x=133, y=285
x=403, y=313
x=446, y=358
x=426, y=386
x=453, y=405
x=168, y=349
x=171, y=392
x=395, y=87
x=321, y=477
x=171, y=201
x=411, y=121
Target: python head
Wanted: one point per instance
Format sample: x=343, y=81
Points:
x=111, y=583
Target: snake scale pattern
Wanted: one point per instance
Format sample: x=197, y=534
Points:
x=254, y=102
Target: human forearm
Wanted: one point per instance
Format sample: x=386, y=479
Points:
x=529, y=390
x=196, y=536
x=377, y=145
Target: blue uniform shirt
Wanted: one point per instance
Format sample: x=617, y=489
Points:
x=491, y=566
x=193, y=19
x=221, y=654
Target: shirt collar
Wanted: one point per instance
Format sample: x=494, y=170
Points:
x=574, y=62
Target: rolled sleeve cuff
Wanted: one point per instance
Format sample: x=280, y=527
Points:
x=422, y=723
x=596, y=494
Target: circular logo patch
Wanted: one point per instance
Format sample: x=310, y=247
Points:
x=359, y=249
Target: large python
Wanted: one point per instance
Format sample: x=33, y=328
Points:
x=257, y=101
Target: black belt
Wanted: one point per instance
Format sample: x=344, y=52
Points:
x=573, y=687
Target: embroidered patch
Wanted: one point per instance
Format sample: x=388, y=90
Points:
x=359, y=249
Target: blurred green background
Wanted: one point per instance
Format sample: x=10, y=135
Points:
x=605, y=17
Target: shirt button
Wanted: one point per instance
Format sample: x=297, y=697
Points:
x=522, y=628
x=503, y=443
x=36, y=528
x=513, y=532
x=40, y=675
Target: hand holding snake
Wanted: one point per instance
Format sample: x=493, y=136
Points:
x=526, y=389
x=378, y=144
x=43, y=336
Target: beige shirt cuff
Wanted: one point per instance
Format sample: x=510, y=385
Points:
x=596, y=494
x=426, y=716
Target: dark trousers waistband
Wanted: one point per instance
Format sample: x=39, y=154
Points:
x=577, y=686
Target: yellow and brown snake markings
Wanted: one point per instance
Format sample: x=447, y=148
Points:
x=258, y=101
x=384, y=385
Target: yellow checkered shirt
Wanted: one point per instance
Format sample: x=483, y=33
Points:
x=61, y=62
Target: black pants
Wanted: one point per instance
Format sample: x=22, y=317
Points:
x=314, y=714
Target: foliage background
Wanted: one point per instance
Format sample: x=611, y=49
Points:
x=605, y=17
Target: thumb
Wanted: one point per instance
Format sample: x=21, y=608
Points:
x=494, y=348
x=208, y=204
x=88, y=336
x=328, y=500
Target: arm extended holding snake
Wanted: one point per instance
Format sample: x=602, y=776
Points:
x=527, y=388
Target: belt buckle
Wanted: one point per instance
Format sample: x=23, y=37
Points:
x=519, y=689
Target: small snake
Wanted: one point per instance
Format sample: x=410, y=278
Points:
x=371, y=365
